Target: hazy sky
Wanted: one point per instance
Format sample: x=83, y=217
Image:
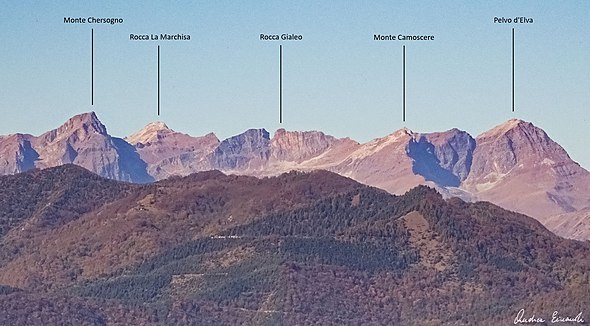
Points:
x=338, y=79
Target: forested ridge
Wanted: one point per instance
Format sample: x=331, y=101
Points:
x=301, y=248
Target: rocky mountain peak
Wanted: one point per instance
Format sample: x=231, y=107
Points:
x=241, y=150
x=212, y=137
x=299, y=145
x=158, y=125
x=444, y=136
x=515, y=156
x=404, y=131
x=88, y=121
x=403, y=135
x=510, y=126
x=300, y=137
x=518, y=157
x=257, y=133
x=280, y=132
x=81, y=126
x=442, y=157
x=520, y=141
x=152, y=132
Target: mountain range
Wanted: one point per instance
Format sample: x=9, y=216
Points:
x=515, y=165
x=300, y=248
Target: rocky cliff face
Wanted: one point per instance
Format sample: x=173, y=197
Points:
x=169, y=153
x=383, y=163
x=247, y=151
x=297, y=146
x=83, y=140
x=515, y=144
x=444, y=157
x=518, y=166
x=515, y=164
x=16, y=154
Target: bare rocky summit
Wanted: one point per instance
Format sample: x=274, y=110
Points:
x=299, y=146
x=247, y=152
x=83, y=140
x=515, y=165
x=167, y=152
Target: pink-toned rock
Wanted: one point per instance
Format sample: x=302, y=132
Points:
x=299, y=146
x=83, y=140
x=16, y=154
x=383, y=163
x=169, y=153
x=517, y=166
x=574, y=225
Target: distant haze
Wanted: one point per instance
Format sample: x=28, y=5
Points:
x=336, y=79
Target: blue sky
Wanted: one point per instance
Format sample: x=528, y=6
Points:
x=337, y=79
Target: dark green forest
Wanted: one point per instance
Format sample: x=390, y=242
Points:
x=295, y=249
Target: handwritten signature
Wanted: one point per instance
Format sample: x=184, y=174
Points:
x=555, y=318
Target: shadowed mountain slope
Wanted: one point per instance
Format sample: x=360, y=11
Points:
x=515, y=165
x=300, y=248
